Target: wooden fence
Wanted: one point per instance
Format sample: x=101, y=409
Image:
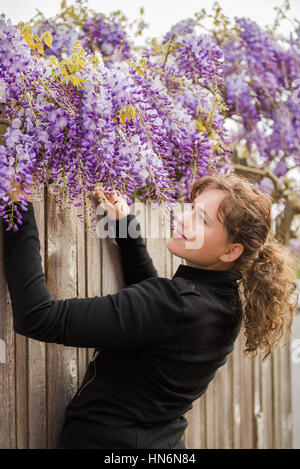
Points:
x=247, y=405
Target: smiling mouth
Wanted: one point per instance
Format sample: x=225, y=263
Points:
x=179, y=235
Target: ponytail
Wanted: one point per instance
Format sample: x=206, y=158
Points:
x=268, y=285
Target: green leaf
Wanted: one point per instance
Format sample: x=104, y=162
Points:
x=21, y=26
x=122, y=116
x=39, y=47
x=199, y=126
x=66, y=79
x=140, y=71
x=48, y=39
x=28, y=32
x=133, y=112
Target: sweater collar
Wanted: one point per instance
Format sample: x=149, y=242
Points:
x=217, y=278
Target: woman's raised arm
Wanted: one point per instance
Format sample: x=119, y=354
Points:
x=136, y=261
x=139, y=315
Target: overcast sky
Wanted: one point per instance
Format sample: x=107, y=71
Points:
x=160, y=14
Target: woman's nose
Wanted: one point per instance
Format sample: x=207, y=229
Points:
x=186, y=222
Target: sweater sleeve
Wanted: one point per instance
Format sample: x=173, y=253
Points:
x=136, y=261
x=137, y=316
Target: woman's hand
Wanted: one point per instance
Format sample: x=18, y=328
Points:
x=115, y=205
x=14, y=194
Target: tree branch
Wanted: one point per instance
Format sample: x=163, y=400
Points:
x=258, y=174
x=5, y=121
x=281, y=189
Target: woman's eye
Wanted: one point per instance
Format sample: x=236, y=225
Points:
x=201, y=217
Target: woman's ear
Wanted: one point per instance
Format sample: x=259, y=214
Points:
x=232, y=253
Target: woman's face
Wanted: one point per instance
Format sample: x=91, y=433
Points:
x=205, y=244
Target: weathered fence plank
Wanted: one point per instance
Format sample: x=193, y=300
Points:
x=210, y=410
x=94, y=262
x=267, y=402
x=154, y=239
x=37, y=405
x=285, y=396
x=21, y=390
x=247, y=397
x=61, y=360
x=81, y=287
x=7, y=365
x=176, y=261
x=236, y=421
x=194, y=436
x=223, y=387
x=277, y=417
x=7, y=337
x=258, y=405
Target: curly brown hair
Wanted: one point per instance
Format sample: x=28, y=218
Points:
x=267, y=266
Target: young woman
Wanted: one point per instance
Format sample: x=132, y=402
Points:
x=159, y=341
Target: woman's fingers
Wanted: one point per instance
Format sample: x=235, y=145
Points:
x=113, y=202
x=16, y=189
x=109, y=197
x=98, y=194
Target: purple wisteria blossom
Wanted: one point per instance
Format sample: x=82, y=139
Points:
x=260, y=71
x=120, y=128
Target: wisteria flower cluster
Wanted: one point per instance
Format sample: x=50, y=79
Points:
x=74, y=123
x=106, y=36
x=149, y=123
x=96, y=32
x=193, y=71
x=260, y=71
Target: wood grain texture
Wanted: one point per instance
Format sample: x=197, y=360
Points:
x=37, y=423
x=81, y=237
x=267, y=402
x=21, y=373
x=277, y=407
x=176, y=260
x=285, y=395
x=258, y=405
x=7, y=369
x=247, y=397
x=224, y=405
x=236, y=421
x=210, y=410
x=8, y=428
x=62, y=283
x=93, y=263
x=155, y=244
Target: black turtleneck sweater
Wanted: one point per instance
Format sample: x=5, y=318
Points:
x=158, y=341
